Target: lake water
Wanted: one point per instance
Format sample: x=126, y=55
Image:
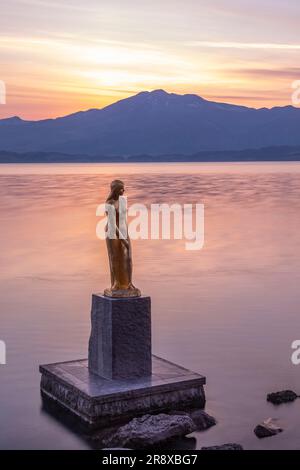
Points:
x=229, y=311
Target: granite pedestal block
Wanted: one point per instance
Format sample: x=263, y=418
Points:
x=120, y=379
x=120, y=341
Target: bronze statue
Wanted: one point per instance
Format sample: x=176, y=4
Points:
x=119, y=251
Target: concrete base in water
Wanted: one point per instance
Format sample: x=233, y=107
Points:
x=98, y=401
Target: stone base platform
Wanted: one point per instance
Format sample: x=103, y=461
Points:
x=99, y=402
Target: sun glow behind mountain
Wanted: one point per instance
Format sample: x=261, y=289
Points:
x=58, y=57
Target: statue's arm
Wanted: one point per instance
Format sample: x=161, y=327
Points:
x=122, y=238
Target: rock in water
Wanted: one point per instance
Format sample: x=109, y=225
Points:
x=224, y=447
x=284, y=396
x=201, y=419
x=150, y=430
x=267, y=428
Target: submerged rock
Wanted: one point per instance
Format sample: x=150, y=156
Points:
x=284, y=396
x=267, y=428
x=150, y=430
x=229, y=446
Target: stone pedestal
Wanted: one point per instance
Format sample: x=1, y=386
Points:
x=99, y=402
x=120, y=341
x=119, y=380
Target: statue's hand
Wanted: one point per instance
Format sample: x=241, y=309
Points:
x=125, y=243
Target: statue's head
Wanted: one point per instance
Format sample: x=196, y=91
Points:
x=117, y=189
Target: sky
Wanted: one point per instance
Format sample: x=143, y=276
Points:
x=62, y=56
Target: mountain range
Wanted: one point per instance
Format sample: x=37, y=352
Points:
x=155, y=123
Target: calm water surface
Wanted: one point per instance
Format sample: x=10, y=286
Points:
x=229, y=311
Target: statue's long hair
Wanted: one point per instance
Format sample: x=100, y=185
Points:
x=115, y=187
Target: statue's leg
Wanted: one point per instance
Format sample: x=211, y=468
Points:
x=129, y=262
x=110, y=252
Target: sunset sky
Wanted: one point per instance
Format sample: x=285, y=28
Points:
x=59, y=57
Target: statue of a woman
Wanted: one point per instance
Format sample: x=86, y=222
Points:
x=119, y=250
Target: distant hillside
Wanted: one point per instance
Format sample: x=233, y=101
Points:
x=248, y=155
x=155, y=123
